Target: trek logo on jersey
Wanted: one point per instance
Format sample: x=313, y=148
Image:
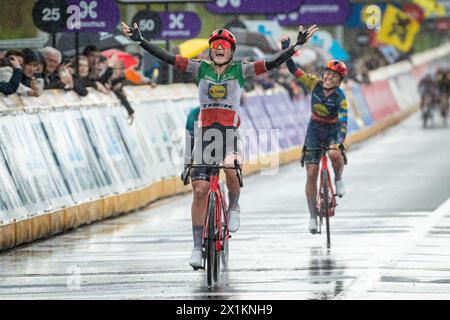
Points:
x=321, y=110
x=217, y=105
x=217, y=91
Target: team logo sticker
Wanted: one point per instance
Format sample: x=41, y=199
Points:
x=217, y=91
x=321, y=110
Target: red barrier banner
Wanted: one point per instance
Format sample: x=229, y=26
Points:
x=380, y=99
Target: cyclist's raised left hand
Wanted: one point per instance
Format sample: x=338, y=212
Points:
x=304, y=36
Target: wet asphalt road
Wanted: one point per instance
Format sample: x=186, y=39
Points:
x=390, y=238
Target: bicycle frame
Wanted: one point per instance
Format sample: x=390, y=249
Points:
x=215, y=233
x=324, y=166
x=220, y=206
x=325, y=200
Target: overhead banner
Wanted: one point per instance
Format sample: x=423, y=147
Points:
x=320, y=12
x=236, y=7
x=179, y=25
x=92, y=16
x=398, y=29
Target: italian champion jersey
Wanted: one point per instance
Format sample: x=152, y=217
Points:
x=220, y=95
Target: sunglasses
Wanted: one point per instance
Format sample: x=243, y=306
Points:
x=223, y=43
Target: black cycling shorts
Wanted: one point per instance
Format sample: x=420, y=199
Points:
x=212, y=145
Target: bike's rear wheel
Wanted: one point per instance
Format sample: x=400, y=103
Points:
x=326, y=204
x=210, y=246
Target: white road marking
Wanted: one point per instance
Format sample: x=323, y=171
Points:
x=387, y=254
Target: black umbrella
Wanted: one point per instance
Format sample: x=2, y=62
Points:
x=65, y=42
x=255, y=39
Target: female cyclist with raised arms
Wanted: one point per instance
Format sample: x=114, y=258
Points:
x=220, y=82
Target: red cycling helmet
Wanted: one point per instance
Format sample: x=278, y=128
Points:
x=223, y=34
x=337, y=66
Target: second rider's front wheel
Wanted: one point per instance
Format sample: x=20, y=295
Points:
x=326, y=204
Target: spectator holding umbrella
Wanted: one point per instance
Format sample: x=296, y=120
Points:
x=134, y=74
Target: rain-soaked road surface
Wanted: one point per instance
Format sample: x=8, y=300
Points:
x=390, y=238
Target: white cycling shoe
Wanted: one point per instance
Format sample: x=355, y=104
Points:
x=313, y=226
x=234, y=219
x=340, y=187
x=196, y=260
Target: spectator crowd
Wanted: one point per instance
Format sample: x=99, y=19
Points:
x=28, y=72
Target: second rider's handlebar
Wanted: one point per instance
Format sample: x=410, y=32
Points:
x=340, y=147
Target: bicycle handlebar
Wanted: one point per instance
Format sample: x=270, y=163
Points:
x=323, y=149
x=236, y=167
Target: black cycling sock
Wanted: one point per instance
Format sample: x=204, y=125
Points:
x=197, y=232
x=233, y=199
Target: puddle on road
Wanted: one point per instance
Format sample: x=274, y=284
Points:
x=325, y=270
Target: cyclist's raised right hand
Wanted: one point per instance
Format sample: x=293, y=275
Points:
x=134, y=33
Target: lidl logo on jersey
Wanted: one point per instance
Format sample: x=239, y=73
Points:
x=217, y=91
x=321, y=110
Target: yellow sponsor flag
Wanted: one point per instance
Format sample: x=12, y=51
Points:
x=398, y=29
x=431, y=8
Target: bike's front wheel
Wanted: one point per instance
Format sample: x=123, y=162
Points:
x=326, y=204
x=210, y=243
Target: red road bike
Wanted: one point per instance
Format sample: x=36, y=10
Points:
x=326, y=198
x=216, y=235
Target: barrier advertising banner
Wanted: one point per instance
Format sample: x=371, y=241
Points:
x=82, y=169
x=147, y=124
x=134, y=147
x=28, y=166
x=274, y=105
x=105, y=135
x=287, y=110
x=380, y=99
x=11, y=206
x=248, y=134
x=262, y=124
